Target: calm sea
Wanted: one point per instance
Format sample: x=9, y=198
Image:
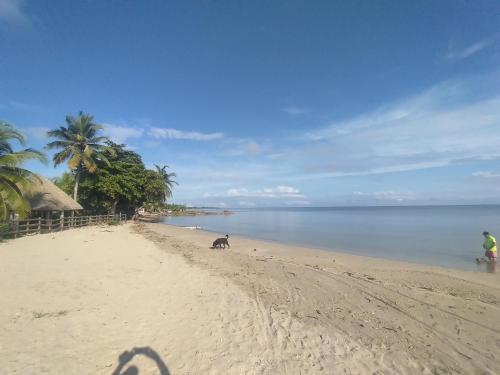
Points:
x=448, y=236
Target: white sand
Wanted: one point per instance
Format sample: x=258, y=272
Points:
x=73, y=302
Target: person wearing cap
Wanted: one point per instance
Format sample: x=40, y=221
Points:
x=490, y=246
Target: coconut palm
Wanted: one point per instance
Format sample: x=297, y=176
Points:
x=167, y=179
x=14, y=179
x=81, y=146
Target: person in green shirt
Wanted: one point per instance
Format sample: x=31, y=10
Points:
x=490, y=247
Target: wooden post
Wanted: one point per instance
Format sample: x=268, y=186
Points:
x=61, y=221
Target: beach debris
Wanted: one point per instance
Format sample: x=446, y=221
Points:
x=254, y=249
x=57, y=314
x=390, y=329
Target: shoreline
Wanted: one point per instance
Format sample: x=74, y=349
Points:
x=256, y=308
x=341, y=252
x=413, y=314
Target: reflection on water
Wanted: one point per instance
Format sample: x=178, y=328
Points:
x=449, y=236
x=490, y=267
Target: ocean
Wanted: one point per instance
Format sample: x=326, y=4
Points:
x=448, y=236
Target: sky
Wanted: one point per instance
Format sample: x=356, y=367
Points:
x=271, y=103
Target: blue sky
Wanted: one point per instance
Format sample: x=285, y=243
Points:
x=271, y=103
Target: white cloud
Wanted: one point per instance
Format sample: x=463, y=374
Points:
x=277, y=192
x=121, y=133
x=486, y=174
x=282, y=189
x=388, y=195
x=463, y=53
x=238, y=192
x=241, y=147
x=12, y=12
x=294, y=111
x=37, y=132
x=169, y=133
x=21, y=106
x=440, y=127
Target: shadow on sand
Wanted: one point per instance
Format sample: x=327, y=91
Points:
x=127, y=356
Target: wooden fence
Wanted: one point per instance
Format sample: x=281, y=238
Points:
x=19, y=228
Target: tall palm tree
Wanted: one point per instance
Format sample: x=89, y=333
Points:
x=13, y=178
x=81, y=146
x=167, y=179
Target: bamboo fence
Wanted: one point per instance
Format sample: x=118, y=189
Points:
x=20, y=228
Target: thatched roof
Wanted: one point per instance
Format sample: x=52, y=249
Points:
x=43, y=195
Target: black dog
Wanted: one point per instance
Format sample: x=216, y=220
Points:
x=221, y=242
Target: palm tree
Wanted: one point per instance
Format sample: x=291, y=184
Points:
x=81, y=146
x=167, y=179
x=14, y=179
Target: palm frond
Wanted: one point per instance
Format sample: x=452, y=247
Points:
x=62, y=133
x=8, y=132
x=17, y=158
x=13, y=197
x=75, y=161
x=58, y=144
x=104, y=158
x=89, y=163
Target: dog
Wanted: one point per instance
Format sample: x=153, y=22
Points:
x=221, y=242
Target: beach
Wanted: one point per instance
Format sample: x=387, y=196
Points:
x=80, y=301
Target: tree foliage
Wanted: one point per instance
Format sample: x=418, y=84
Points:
x=123, y=184
x=168, y=179
x=13, y=178
x=80, y=145
x=65, y=182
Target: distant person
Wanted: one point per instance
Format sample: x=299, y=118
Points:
x=490, y=247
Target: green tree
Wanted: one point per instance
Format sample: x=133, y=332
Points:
x=65, y=182
x=124, y=184
x=81, y=146
x=168, y=181
x=14, y=179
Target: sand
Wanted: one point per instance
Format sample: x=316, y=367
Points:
x=154, y=299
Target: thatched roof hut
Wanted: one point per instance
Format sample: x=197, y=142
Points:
x=44, y=195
